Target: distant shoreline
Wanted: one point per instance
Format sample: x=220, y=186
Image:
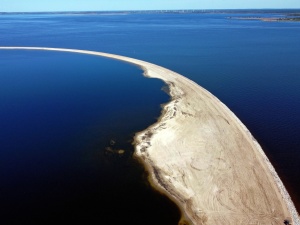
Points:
x=269, y=19
x=179, y=11
x=202, y=156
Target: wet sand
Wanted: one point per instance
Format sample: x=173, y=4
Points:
x=202, y=156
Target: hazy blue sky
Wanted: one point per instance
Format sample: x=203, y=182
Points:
x=78, y=5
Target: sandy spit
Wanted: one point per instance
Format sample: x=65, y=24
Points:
x=202, y=156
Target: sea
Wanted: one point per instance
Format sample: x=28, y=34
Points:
x=67, y=121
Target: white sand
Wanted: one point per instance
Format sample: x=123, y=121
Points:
x=202, y=156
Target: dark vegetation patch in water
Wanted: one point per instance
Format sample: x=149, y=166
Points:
x=67, y=126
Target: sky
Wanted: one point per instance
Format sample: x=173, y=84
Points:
x=108, y=5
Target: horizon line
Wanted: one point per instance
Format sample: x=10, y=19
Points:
x=148, y=10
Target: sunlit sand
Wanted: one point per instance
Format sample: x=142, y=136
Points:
x=202, y=156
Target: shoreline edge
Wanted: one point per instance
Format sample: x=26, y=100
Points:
x=202, y=156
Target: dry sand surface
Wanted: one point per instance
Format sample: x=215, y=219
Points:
x=205, y=159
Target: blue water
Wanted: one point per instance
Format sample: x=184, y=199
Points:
x=63, y=119
x=252, y=66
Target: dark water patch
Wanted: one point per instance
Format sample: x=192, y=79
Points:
x=67, y=124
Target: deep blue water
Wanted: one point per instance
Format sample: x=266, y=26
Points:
x=252, y=66
x=64, y=117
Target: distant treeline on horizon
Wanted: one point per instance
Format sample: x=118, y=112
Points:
x=296, y=12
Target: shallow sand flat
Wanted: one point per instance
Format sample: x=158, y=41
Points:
x=204, y=158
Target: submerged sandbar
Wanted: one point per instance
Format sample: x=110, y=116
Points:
x=202, y=156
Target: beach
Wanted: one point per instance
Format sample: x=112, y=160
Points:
x=206, y=159
x=202, y=156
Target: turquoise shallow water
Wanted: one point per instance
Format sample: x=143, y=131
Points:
x=252, y=66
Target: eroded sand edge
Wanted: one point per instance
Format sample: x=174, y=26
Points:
x=202, y=156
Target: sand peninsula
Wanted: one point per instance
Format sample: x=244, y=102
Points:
x=202, y=156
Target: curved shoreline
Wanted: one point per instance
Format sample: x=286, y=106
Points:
x=203, y=157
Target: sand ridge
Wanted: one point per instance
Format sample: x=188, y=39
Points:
x=202, y=156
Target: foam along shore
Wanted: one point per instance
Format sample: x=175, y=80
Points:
x=202, y=156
